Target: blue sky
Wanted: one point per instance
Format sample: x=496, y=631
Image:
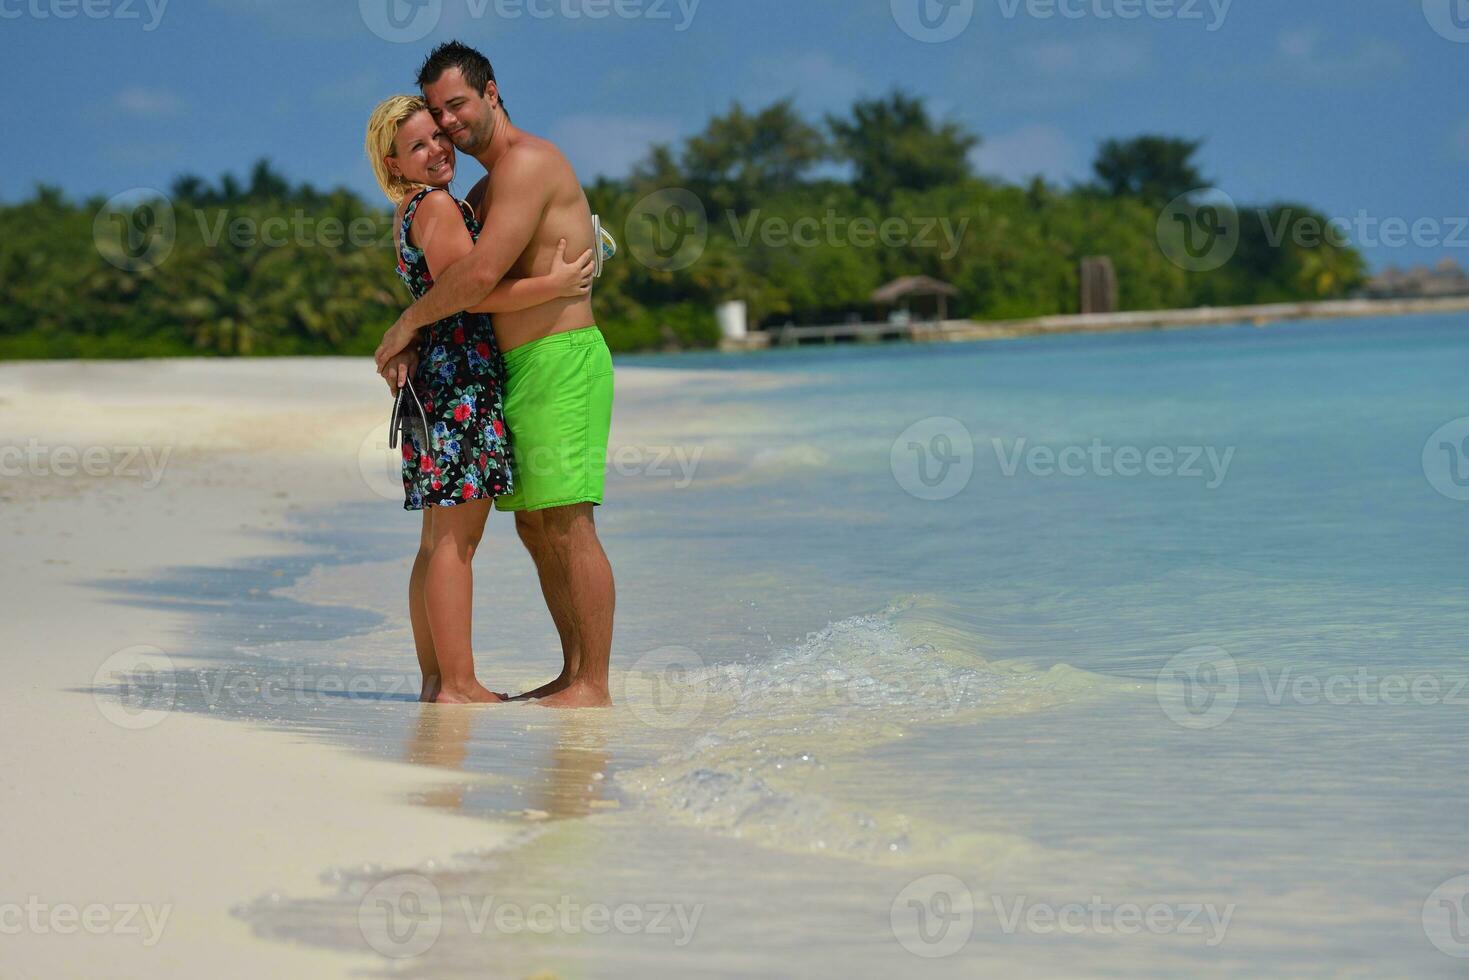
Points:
x=1353, y=106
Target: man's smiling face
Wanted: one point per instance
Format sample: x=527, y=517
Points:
x=463, y=114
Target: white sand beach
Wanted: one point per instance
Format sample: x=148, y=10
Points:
x=191, y=815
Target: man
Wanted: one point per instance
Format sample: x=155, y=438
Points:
x=558, y=391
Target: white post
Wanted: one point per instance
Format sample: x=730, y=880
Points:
x=731, y=316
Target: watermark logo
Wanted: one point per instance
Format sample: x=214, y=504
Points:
x=401, y=21
x=135, y=688
x=933, y=459
x=1199, y=687
x=135, y=230
x=933, y=21
x=933, y=916
x=401, y=917
x=381, y=465
x=1450, y=18
x=665, y=689
x=668, y=230
x=1199, y=231
x=1446, y=459
x=1446, y=917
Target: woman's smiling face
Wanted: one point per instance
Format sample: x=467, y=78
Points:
x=423, y=154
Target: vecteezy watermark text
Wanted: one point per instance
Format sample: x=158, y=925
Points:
x=90, y=9
x=840, y=231
x=404, y=915
x=1211, y=13
x=934, y=458
x=668, y=230
x=1200, y=688
x=1101, y=918
x=671, y=687
x=1099, y=459
x=1201, y=231
x=41, y=918
x=406, y=21
x=118, y=462
x=138, y=687
x=937, y=21
x=1362, y=229
x=934, y=916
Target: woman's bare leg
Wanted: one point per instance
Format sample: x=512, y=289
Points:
x=423, y=640
x=449, y=598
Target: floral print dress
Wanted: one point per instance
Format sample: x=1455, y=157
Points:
x=459, y=380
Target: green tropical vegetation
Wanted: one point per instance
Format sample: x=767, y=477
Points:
x=802, y=219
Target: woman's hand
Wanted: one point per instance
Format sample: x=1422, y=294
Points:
x=572, y=278
x=399, y=369
x=395, y=341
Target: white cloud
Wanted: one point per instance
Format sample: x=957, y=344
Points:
x=605, y=145
x=1030, y=150
x=147, y=103
x=1099, y=58
x=1302, y=53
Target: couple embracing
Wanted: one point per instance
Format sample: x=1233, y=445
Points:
x=516, y=411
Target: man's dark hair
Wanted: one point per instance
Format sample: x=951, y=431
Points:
x=475, y=67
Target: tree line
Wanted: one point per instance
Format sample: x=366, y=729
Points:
x=803, y=219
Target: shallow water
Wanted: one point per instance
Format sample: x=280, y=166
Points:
x=879, y=717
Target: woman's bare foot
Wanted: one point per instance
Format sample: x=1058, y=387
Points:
x=430, y=689
x=578, y=694
x=474, y=694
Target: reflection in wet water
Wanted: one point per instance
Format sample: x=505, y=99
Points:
x=563, y=767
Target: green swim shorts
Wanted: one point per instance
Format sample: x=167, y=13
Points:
x=558, y=408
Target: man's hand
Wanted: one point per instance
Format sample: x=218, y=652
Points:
x=396, y=340
x=399, y=369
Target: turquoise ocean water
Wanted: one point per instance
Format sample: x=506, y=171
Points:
x=1135, y=655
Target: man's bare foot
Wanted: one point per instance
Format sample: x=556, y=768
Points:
x=578, y=695
x=477, y=694
x=430, y=688
x=554, y=687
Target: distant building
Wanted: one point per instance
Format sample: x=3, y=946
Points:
x=1444, y=279
x=915, y=298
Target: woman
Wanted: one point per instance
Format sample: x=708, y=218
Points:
x=457, y=374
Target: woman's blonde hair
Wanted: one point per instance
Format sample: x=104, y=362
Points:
x=382, y=135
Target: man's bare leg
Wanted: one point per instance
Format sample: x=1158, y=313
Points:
x=571, y=535
x=423, y=641
x=449, y=599
x=532, y=532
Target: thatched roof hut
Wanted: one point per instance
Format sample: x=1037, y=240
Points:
x=901, y=293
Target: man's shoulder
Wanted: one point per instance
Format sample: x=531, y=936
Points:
x=532, y=156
